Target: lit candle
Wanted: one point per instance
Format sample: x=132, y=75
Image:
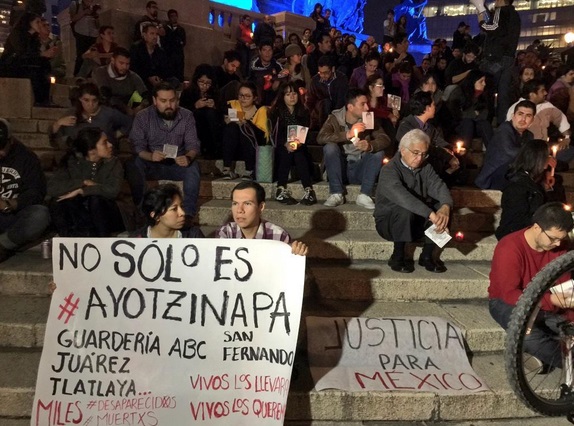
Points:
x=554, y=150
x=356, y=133
x=53, y=80
x=385, y=160
x=567, y=207
x=495, y=100
x=459, y=236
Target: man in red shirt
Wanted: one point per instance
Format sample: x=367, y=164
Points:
x=517, y=258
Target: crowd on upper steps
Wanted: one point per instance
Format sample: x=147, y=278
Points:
x=402, y=131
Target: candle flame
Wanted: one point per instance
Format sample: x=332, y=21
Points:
x=567, y=207
x=52, y=80
x=385, y=160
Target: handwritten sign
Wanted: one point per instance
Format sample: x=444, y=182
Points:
x=169, y=332
x=424, y=354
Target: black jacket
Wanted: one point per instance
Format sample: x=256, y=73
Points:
x=502, y=33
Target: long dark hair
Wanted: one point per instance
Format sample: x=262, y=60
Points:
x=278, y=107
x=85, y=141
x=200, y=71
x=467, y=87
x=531, y=159
x=157, y=201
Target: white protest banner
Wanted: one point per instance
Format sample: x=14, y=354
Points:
x=424, y=354
x=169, y=332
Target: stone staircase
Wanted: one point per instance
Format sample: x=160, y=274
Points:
x=347, y=276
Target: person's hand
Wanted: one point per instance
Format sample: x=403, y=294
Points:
x=440, y=218
x=68, y=121
x=563, y=300
x=563, y=143
x=360, y=127
x=89, y=182
x=548, y=182
x=479, y=4
x=299, y=248
x=50, y=53
x=453, y=164
x=52, y=287
x=364, y=146
x=201, y=103
x=157, y=156
x=210, y=103
x=284, y=73
x=292, y=146
x=551, y=161
x=182, y=160
x=71, y=194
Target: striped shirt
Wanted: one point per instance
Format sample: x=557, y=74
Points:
x=266, y=231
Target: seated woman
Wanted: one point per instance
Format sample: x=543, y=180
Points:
x=242, y=134
x=22, y=57
x=88, y=112
x=468, y=108
x=403, y=84
x=388, y=117
x=85, y=188
x=288, y=110
x=199, y=98
x=362, y=73
x=530, y=183
x=294, y=69
x=163, y=211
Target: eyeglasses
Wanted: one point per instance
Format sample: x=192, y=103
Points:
x=242, y=96
x=423, y=155
x=204, y=83
x=553, y=240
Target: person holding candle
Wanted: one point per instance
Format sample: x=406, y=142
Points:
x=530, y=183
x=506, y=143
x=345, y=137
x=410, y=197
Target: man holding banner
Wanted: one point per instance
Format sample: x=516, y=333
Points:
x=248, y=202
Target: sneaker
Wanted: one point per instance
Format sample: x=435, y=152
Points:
x=334, y=200
x=531, y=364
x=283, y=195
x=228, y=174
x=247, y=175
x=365, y=201
x=309, y=198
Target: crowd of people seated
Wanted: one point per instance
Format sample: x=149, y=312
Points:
x=358, y=103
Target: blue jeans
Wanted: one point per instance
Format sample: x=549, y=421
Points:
x=140, y=170
x=542, y=341
x=363, y=172
x=24, y=226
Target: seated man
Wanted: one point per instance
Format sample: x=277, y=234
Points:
x=266, y=73
x=327, y=93
x=346, y=137
x=166, y=146
x=459, y=68
x=517, y=259
x=410, y=197
x=227, y=72
x=149, y=60
x=120, y=85
x=247, y=204
x=422, y=109
x=23, y=218
x=504, y=147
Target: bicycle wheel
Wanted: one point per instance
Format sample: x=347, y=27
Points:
x=547, y=392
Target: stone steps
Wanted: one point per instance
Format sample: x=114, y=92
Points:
x=18, y=377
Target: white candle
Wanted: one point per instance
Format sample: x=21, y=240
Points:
x=356, y=133
x=495, y=100
x=554, y=150
x=52, y=80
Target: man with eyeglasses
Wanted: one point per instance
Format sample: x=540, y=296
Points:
x=517, y=258
x=410, y=197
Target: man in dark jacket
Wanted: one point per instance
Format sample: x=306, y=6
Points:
x=410, y=197
x=148, y=59
x=174, y=43
x=23, y=218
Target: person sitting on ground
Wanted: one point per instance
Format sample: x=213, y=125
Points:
x=327, y=92
x=530, y=182
x=88, y=112
x=410, y=197
x=559, y=93
x=100, y=53
x=200, y=98
x=345, y=137
x=441, y=156
x=242, y=134
x=388, y=117
x=266, y=73
x=526, y=73
x=287, y=112
x=166, y=147
x=459, y=68
x=247, y=205
x=123, y=88
x=23, y=217
x=47, y=41
x=506, y=143
x=226, y=73
x=324, y=47
x=517, y=258
x=296, y=70
x=162, y=208
x=402, y=83
x=369, y=68
x=85, y=188
x=546, y=114
x=468, y=108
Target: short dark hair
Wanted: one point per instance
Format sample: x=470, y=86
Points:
x=405, y=68
x=265, y=41
x=259, y=190
x=325, y=61
x=87, y=139
x=526, y=104
x=531, y=86
x=373, y=56
x=419, y=102
x=399, y=38
x=104, y=28
x=390, y=11
x=157, y=201
x=147, y=26
x=121, y=51
x=172, y=11
x=471, y=47
x=352, y=95
x=553, y=215
x=150, y=4
x=164, y=85
x=232, y=55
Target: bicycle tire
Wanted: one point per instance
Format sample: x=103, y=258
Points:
x=548, y=399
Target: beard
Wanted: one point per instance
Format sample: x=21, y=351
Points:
x=117, y=71
x=168, y=114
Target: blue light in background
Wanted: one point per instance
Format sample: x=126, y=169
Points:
x=241, y=4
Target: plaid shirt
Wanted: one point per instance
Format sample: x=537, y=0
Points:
x=266, y=231
x=150, y=133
